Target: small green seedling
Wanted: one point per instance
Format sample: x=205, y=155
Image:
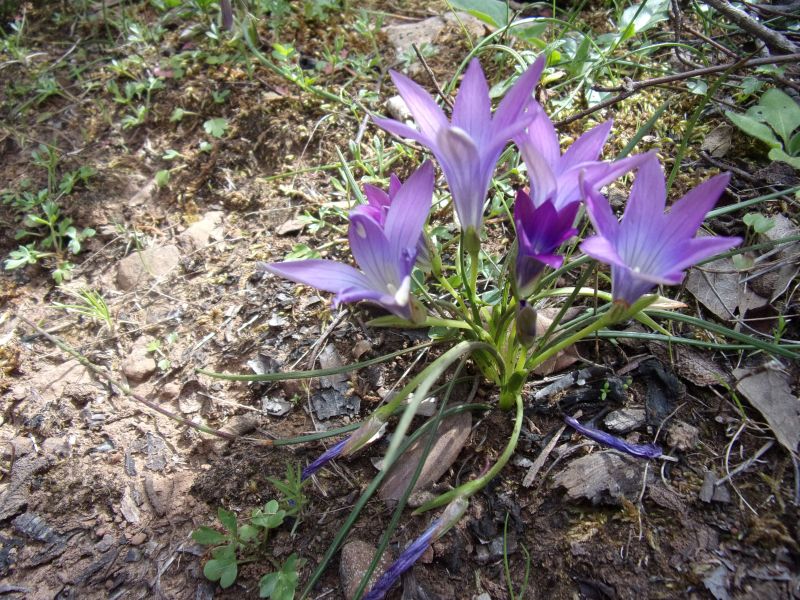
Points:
x=246, y=541
x=89, y=304
x=216, y=127
x=775, y=121
x=758, y=222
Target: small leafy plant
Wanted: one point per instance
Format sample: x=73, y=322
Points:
x=775, y=121
x=246, y=541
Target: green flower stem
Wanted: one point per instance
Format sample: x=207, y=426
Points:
x=640, y=316
x=470, y=278
x=472, y=487
x=451, y=290
x=538, y=359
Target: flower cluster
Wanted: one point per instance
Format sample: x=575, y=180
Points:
x=386, y=234
x=649, y=247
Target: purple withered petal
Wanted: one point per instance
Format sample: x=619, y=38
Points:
x=324, y=459
x=403, y=563
x=467, y=149
x=449, y=517
x=649, y=247
x=638, y=450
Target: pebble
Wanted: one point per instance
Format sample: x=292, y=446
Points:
x=141, y=265
x=139, y=364
x=138, y=539
x=625, y=420
x=355, y=558
x=683, y=436
x=171, y=390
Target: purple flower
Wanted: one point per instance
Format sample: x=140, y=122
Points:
x=385, y=246
x=638, y=450
x=468, y=148
x=324, y=459
x=377, y=207
x=649, y=247
x=556, y=178
x=540, y=231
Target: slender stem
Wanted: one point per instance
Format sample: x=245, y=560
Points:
x=538, y=359
x=471, y=487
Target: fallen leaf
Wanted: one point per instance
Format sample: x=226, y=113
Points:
x=562, y=359
x=451, y=436
x=603, y=477
x=716, y=285
x=691, y=365
x=769, y=391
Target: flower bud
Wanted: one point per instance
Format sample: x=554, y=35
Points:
x=526, y=324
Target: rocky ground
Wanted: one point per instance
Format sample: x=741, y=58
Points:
x=100, y=493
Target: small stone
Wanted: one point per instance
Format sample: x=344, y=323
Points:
x=356, y=556
x=141, y=266
x=403, y=36
x=133, y=555
x=56, y=446
x=198, y=235
x=138, y=539
x=104, y=544
x=683, y=436
x=398, y=109
x=360, y=348
x=625, y=420
x=139, y=364
x=711, y=491
x=290, y=227
x=22, y=446
x=275, y=406
x=474, y=26
x=171, y=390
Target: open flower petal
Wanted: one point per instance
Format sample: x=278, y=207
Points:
x=429, y=117
x=650, y=248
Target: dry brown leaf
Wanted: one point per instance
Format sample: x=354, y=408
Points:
x=451, y=436
x=769, y=391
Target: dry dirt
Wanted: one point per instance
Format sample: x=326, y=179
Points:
x=99, y=494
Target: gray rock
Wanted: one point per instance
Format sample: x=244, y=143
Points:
x=403, y=36
x=145, y=264
x=625, y=420
x=356, y=557
x=198, y=235
x=683, y=436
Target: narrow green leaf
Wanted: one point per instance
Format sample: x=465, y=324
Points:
x=316, y=372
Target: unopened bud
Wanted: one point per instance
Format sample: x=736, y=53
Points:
x=526, y=324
